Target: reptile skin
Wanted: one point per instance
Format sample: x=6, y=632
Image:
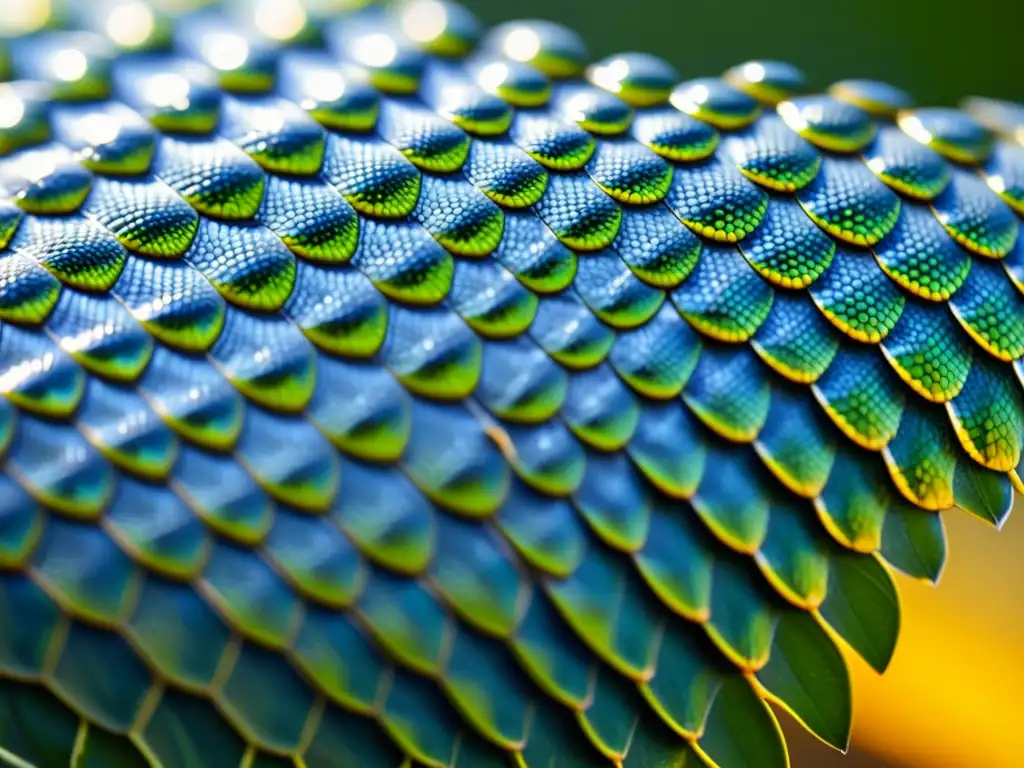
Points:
x=378, y=391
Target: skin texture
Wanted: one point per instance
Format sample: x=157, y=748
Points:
x=439, y=396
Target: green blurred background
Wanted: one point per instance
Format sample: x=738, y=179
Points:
x=940, y=50
x=953, y=695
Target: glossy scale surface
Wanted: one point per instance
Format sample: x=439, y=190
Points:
x=377, y=390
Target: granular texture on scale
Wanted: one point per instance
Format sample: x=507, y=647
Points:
x=379, y=390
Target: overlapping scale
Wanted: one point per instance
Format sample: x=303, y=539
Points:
x=275, y=133
x=1001, y=117
x=384, y=56
x=928, y=352
x=1013, y=263
x=861, y=395
x=10, y=219
x=342, y=408
x=856, y=297
x=990, y=310
x=907, y=166
x=848, y=202
x=459, y=217
x=76, y=251
x=716, y=201
x=101, y=335
x=214, y=177
x=174, y=303
x=656, y=246
x=639, y=79
x=173, y=94
x=795, y=340
x=146, y=216
x=793, y=556
x=828, y=123
x=551, y=48
x=873, y=96
x=241, y=62
x=975, y=217
x=767, y=81
x=373, y=177
x=579, y=213
x=506, y=174
x=772, y=155
x=248, y=266
x=724, y=298
x=339, y=100
x=554, y=144
x=513, y=81
x=193, y=398
x=614, y=293
x=45, y=180
x=630, y=173
x=921, y=257
x=987, y=416
x=674, y=135
x=479, y=113
x=795, y=443
x=922, y=460
x=427, y=140
x=715, y=102
x=787, y=249
x=27, y=291
x=1005, y=175
x=657, y=359
x=443, y=28
x=949, y=132
x=729, y=393
x=127, y=431
x=592, y=109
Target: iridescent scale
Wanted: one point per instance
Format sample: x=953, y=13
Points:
x=379, y=391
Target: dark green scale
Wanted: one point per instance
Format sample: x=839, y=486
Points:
x=396, y=392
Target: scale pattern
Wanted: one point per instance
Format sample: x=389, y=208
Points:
x=377, y=390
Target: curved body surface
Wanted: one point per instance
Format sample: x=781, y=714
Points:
x=382, y=391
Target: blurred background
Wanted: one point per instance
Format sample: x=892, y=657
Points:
x=939, y=50
x=954, y=695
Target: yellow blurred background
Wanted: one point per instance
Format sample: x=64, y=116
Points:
x=954, y=694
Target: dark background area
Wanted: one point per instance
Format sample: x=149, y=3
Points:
x=939, y=50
